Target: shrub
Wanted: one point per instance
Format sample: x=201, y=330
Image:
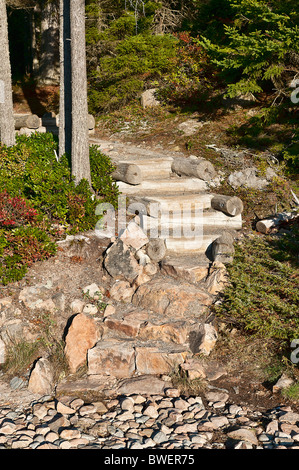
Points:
x=20, y=248
x=192, y=77
x=30, y=170
x=39, y=192
x=126, y=64
x=15, y=211
x=263, y=293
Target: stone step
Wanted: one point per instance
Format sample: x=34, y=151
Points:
x=198, y=244
x=124, y=358
x=173, y=298
x=148, y=326
x=119, y=151
x=164, y=186
x=188, y=268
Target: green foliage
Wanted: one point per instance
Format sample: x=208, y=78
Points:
x=19, y=248
x=262, y=296
x=193, y=76
x=30, y=169
x=39, y=192
x=124, y=69
x=101, y=169
x=258, y=49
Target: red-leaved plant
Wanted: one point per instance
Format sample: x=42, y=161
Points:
x=15, y=211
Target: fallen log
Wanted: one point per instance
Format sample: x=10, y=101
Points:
x=265, y=225
x=229, y=205
x=127, y=172
x=31, y=121
x=198, y=168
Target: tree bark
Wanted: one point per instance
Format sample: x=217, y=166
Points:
x=80, y=137
x=49, y=47
x=7, y=123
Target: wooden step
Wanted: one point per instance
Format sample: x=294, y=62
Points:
x=171, y=185
x=188, y=221
x=172, y=202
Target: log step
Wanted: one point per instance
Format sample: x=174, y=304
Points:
x=149, y=187
x=154, y=168
x=171, y=202
x=203, y=219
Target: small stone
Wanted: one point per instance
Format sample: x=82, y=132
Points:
x=127, y=404
x=159, y=437
x=41, y=380
x=289, y=417
x=217, y=396
x=282, y=383
x=134, y=236
x=77, y=306
x=64, y=409
x=70, y=434
x=244, y=435
x=82, y=335
x=172, y=392
x=219, y=421
x=40, y=410
x=121, y=291
x=92, y=291
x=90, y=309
x=181, y=404
x=7, y=427
x=76, y=403
x=16, y=383
x=87, y=409
x=109, y=310
x=51, y=436
x=151, y=411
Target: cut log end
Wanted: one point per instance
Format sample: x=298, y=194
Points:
x=199, y=168
x=229, y=205
x=128, y=173
x=156, y=249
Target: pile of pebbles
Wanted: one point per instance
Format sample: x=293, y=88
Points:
x=139, y=422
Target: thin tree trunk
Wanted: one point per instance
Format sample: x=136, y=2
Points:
x=61, y=81
x=65, y=104
x=7, y=124
x=80, y=137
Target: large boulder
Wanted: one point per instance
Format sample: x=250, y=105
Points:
x=82, y=335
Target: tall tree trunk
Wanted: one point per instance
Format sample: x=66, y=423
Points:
x=7, y=125
x=49, y=47
x=65, y=102
x=80, y=136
